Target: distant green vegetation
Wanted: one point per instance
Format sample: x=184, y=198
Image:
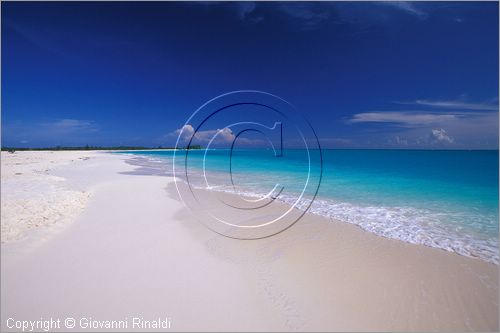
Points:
x=87, y=147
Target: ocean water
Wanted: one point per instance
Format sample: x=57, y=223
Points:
x=444, y=199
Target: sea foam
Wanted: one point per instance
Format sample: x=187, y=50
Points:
x=408, y=224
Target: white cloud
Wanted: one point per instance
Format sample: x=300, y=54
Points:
x=440, y=135
x=471, y=129
x=310, y=14
x=408, y=7
x=219, y=136
x=409, y=118
x=461, y=105
x=400, y=140
x=335, y=140
x=187, y=131
x=436, y=136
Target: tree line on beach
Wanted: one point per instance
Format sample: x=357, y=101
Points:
x=88, y=147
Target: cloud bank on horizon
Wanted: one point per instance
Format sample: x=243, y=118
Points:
x=365, y=74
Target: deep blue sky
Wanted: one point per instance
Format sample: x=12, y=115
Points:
x=375, y=75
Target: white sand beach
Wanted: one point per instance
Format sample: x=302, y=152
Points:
x=85, y=238
x=33, y=197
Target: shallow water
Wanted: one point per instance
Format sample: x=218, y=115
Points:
x=443, y=199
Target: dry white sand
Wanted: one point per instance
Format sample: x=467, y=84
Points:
x=33, y=197
x=135, y=251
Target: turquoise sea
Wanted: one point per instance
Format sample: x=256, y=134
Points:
x=441, y=198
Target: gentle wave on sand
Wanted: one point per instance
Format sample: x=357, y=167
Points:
x=391, y=204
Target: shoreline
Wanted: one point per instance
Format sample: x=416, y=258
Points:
x=135, y=249
x=328, y=208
